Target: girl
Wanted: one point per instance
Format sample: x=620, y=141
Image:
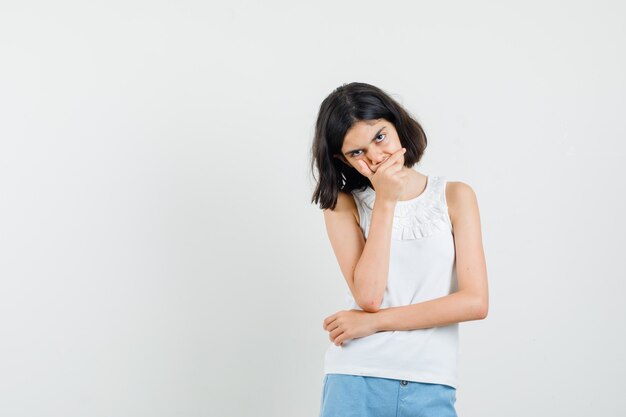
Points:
x=399, y=236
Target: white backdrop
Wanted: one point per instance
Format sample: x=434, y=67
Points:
x=160, y=253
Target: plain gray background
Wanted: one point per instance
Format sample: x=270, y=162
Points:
x=160, y=253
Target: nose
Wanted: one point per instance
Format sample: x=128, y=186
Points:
x=378, y=158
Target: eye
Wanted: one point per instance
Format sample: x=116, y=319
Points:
x=384, y=135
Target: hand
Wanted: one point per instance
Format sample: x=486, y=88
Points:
x=349, y=324
x=388, y=178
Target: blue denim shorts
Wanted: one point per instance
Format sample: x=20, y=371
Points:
x=364, y=396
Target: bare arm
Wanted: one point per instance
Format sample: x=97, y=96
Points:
x=372, y=270
x=355, y=254
x=365, y=265
x=454, y=308
x=471, y=301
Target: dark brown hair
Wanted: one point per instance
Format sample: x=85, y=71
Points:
x=346, y=105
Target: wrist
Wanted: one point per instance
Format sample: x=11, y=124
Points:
x=378, y=320
x=386, y=205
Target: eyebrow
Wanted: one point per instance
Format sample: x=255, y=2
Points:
x=354, y=150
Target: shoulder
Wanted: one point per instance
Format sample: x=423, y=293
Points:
x=460, y=197
x=345, y=206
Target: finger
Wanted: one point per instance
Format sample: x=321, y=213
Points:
x=332, y=337
x=396, y=166
x=364, y=169
x=332, y=326
x=394, y=158
x=328, y=321
x=334, y=334
x=400, y=161
x=380, y=164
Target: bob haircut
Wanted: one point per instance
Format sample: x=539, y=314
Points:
x=346, y=105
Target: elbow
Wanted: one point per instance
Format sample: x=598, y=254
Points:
x=476, y=305
x=368, y=300
x=369, y=303
x=482, y=309
x=370, y=306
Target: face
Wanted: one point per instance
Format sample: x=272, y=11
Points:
x=371, y=141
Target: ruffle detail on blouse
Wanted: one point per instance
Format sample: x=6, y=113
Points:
x=420, y=217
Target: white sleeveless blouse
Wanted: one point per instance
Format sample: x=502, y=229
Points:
x=421, y=267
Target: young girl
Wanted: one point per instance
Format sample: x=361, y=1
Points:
x=400, y=237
